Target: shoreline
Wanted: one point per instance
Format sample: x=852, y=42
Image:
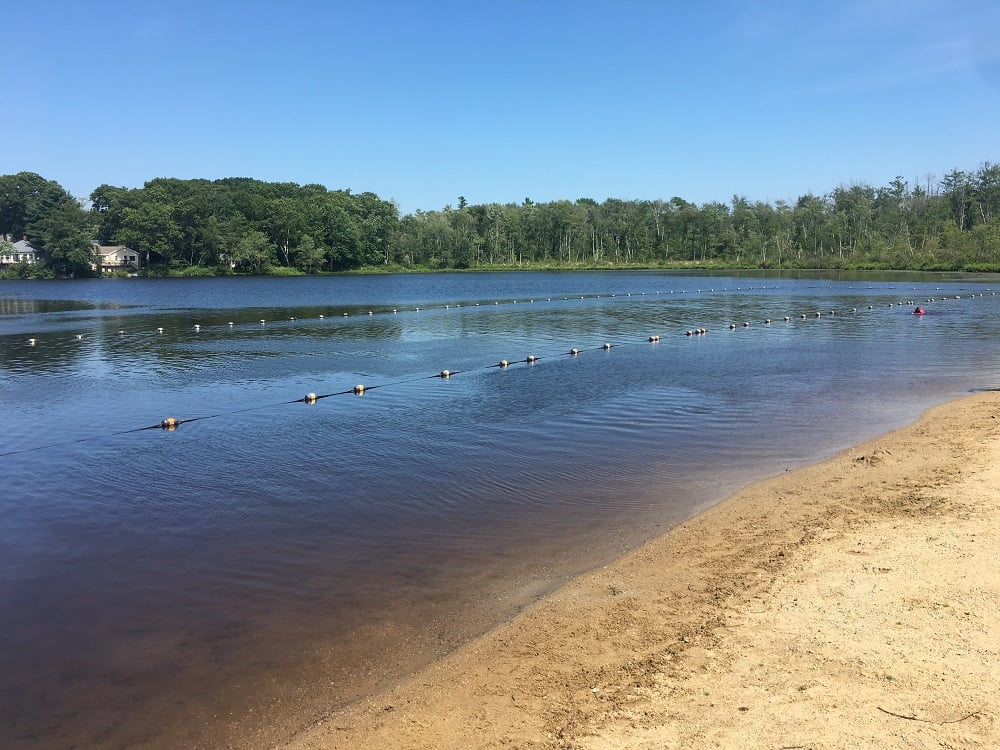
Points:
x=847, y=603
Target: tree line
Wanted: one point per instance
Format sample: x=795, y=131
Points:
x=243, y=225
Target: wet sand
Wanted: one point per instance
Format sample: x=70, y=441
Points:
x=848, y=604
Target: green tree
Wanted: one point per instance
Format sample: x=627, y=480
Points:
x=308, y=255
x=65, y=233
x=149, y=228
x=253, y=252
x=27, y=198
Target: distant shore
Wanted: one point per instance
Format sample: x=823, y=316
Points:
x=848, y=604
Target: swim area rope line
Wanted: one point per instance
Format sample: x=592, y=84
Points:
x=170, y=424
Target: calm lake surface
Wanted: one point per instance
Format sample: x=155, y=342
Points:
x=227, y=582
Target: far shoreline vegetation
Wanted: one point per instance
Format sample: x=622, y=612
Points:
x=243, y=226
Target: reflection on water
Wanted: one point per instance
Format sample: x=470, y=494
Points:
x=277, y=558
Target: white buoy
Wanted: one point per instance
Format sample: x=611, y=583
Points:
x=31, y=342
x=79, y=337
x=121, y=333
x=732, y=326
x=310, y=398
x=321, y=315
x=606, y=346
x=531, y=359
x=574, y=352
x=359, y=390
x=444, y=374
x=231, y=324
x=197, y=327
x=504, y=363
x=767, y=321
x=262, y=321
x=160, y=330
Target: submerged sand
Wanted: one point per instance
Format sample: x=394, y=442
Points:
x=855, y=603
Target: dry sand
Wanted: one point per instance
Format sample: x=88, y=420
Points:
x=852, y=604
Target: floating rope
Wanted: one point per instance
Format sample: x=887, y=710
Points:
x=170, y=424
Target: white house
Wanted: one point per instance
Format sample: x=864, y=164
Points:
x=22, y=251
x=117, y=258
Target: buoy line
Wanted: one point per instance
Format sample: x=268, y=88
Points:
x=231, y=325
x=170, y=424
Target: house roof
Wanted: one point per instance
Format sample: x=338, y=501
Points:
x=26, y=246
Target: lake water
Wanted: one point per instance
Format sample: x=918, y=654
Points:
x=227, y=582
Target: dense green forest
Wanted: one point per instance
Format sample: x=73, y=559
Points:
x=242, y=225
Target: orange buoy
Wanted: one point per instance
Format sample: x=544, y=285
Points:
x=170, y=423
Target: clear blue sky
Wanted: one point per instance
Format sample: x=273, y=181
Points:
x=421, y=102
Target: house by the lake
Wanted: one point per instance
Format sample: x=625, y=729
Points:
x=22, y=251
x=117, y=258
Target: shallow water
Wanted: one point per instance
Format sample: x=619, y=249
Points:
x=231, y=580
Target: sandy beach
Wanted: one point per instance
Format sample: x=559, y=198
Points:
x=849, y=604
